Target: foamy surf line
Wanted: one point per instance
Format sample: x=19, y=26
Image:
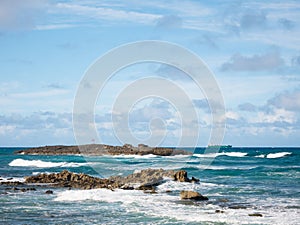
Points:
x=277, y=155
x=43, y=164
x=274, y=155
x=134, y=156
x=213, y=155
x=12, y=179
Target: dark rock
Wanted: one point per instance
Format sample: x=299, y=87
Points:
x=194, y=180
x=146, y=187
x=168, y=191
x=256, y=214
x=237, y=207
x=219, y=211
x=127, y=187
x=49, y=192
x=9, y=178
x=193, y=195
x=181, y=176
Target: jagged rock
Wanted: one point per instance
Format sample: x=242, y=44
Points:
x=128, y=146
x=146, y=179
x=193, y=195
x=181, y=176
x=49, y=192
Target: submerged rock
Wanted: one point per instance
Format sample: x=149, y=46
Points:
x=193, y=195
x=255, y=214
x=11, y=183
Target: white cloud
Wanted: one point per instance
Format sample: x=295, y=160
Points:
x=54, y=26
x=268, y=61
x=276, y=115
x=106, y=13
x=232, y=115
x=169, y=21
x=4, y=129
x=289, y=100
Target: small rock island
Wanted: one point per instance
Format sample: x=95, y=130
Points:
x=101, y=149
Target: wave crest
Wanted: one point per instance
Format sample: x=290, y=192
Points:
x=43, y=164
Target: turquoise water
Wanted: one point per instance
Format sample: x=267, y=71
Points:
x=239, y=181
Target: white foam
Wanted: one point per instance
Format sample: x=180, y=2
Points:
x=278, y=155
x=163, y=205
x=235, y=154
x=178, y=156
x=213, y=155
x=12, y=179
x=260, y=156
x=43, y=164
x=136, y=156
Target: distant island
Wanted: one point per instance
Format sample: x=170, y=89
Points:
x=101, y=149
x=221, y=147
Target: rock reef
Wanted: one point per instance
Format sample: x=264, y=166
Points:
x=144, y=180
x=99, y=149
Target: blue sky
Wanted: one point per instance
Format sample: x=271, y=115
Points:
x=252, y=47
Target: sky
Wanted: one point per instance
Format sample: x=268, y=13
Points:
x=251, y=47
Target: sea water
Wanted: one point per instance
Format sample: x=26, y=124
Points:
x=238, y=182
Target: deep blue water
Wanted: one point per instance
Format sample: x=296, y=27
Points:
x=238, y=181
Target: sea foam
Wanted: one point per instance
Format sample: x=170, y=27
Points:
x=161, y=204
x=43, y=164
x=213, y=155
x=278, y=155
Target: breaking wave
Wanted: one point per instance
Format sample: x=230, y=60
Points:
x=43, y=164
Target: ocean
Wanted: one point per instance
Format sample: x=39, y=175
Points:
x=238, y=182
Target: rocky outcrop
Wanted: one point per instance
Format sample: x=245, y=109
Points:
x=69, y=179
x=97, y=149
x=147, y=177
x=181, y=176
x=192, y=195
x=144, y=180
